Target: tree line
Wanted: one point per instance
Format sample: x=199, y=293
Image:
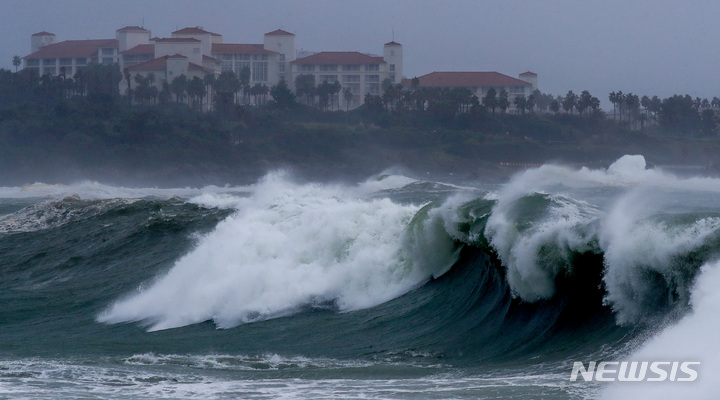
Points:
x=100, y=83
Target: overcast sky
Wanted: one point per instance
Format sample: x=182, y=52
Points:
x=645, y=47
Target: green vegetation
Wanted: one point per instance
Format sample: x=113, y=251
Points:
x=59, y=129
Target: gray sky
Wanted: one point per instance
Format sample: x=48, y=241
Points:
x=645, y=47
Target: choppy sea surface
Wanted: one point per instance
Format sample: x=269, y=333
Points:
x=393, y=288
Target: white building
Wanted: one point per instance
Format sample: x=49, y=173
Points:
x=65, y=58
x=194, y=51
x=480, y=83
x=361, y=73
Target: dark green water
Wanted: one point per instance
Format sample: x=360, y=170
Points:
x=390, y=289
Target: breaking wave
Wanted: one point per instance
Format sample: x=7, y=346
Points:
x=289, y=246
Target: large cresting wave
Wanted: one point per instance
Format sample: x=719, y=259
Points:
x=289, y=247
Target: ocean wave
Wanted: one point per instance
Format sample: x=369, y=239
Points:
x=287, y=246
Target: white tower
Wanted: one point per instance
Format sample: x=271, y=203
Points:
x=392, y=53
x=131, y=36
x=531, y=78
x=282, y=42
x=40, y=39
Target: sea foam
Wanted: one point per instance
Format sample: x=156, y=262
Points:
x=287, y=246
x=643, y=222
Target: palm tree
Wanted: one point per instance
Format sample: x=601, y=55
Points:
x=127, y=76
x=226, y=86
x=244, y=77
x=282, y=95
x=584, y=102
x=179, y=86
x=196, y=91
x=503, y=102
x=633, y=106
x=348, y=96
x=16, y=62
x=335, y=90
x=209, y=80
x=490, y=100
x=520, y=104
x=323, y=93
x=164, y=94
x=305, y=87
x=620, y=100
x=613, y=99
x=256, y=91
x=530, y=104
x=569, y=102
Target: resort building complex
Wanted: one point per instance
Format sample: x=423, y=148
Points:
x=194, y=52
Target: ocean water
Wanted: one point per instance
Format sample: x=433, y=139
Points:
x=393, y=288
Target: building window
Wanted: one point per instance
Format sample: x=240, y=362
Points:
x=226, y=57
x=108, y=60
x=328, y=68
x=328, y=78
x=50, y=70
x=351, y=67
x=372, y=88
x=392, y=53
x=81, y=61
x=282, y=57
x=372, y=67
x=32, y=63
x=240, y=65
x=372, y=78
x=392, y=67
x=354, y=87
x=392, y=78
x=226, y=66
x=351, y=78
x=307, y=67
x=260, y=71
x=281, y=67
x=108, y=51
x=66, y=61
x=49, y=62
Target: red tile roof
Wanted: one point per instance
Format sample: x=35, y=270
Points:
x=132, y=29
x=528, y=73
x=279, y=32
x=157, y=64
x=469, y=79
x=195, y=67
x=393, y=43
x=177, y=40
x=43, y=33
x=238, y=48
x=193, y=31
x=339, y=57
x=160, y=64
x=73, y=48
x=140, y=49
x=208, y=58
